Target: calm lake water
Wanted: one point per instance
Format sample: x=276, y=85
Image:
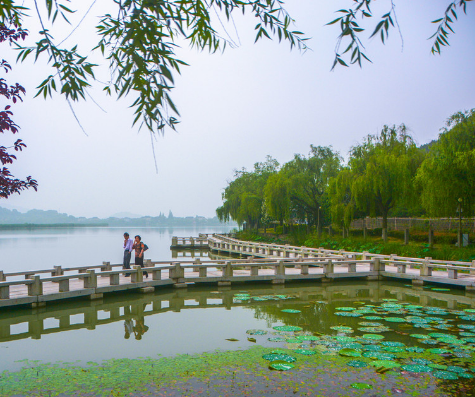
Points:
x=169, y=322
x=44, y=248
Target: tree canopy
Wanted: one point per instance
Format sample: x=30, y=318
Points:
x=139, y=38
x=447, y=174
x=8, y=183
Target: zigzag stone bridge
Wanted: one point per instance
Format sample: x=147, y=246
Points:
x=276, y=264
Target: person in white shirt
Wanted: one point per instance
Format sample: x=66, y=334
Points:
x=128, y=243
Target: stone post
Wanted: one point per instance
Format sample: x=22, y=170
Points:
x=174, y=241
x=425, y=269
x=136, y=277
x=472, y=272
x=228, y=269
x=2, y=276
x=5, y=292
x=91, y=281
x=177, y=272
x=328, y=267
x=35, y=288
x=57, y=271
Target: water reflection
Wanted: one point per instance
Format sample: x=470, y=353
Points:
x=315, y=301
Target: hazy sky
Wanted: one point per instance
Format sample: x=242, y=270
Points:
x=236, y=108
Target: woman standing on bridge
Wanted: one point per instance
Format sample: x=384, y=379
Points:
x=139, y=252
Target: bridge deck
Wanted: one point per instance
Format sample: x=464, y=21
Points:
x=274, y=263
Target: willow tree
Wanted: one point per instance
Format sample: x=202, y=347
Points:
x=342, y=203
x=383, y=168
x=138, y=40
x=243, y=198
x=277, y=197
x=308, y=178
x=447, y=174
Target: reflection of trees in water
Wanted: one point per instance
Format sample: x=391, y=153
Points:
x=314, y=317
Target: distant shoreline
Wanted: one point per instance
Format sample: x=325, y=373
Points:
x=48, y=225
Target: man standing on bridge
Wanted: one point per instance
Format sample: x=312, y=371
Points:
x=128, y=243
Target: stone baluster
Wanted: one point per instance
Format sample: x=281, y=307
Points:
x=36, y=287
x=91, y=280
x=5, y=292
x=328, y=267
x=114, y=279
x=64, y=285
x=137, y=276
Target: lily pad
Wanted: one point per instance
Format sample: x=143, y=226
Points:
x=276, y=339
x=357, y=363
x=373, y=336
x=361, y=386
x=288, y=328
x=445, y=375
x=281, y=365
x=279, y=357
x=350, y=353
x=416, y=368
x=388, y=364
x=306, y=352
x=395, y=320
x=291, y=311
x=415, y=349
x=256, y=332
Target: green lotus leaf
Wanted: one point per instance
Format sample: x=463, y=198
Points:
x=414, y=349
x=279, y=357
x=291, y=311
x=281, y=365
x=438, y=366
x=276, y=339
x=306, y=352
x=395, y=320
x=373, y=336
x=388, y=364
x=455, y=368
x=357, y=363
x=361, y=386
x=445, y=375
x=350, y=353
x=256, y=332
x=307, y=337
x=438, y=351
x=416, y=368
x=341, y=328
x=288, y=328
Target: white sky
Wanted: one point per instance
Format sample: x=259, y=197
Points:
x=236, y=108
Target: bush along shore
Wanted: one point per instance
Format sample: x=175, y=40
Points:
x=444, y=247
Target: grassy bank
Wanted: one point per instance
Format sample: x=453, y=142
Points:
x=373, y=244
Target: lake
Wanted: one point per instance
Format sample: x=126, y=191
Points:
x=37, y=249
x=420, y=337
